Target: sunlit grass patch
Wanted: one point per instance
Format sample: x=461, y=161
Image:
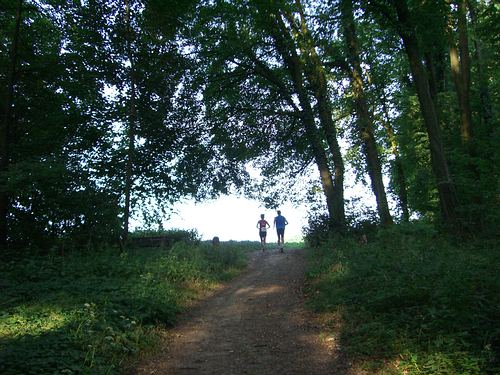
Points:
x=85, y=313
x=31, y=320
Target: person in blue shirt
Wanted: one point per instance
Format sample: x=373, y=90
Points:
x=279, y=223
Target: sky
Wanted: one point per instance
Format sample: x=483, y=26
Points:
x=235, y=218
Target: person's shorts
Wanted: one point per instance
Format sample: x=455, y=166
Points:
x=262, y=234
x=280, y=231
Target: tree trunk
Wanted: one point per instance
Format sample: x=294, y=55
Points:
x=131, y=131
x=400, y=180
x=432, y=75
x=317, y=78
x=325, y=115
x=5, y=127
x=445, y=184
x=436, y=64
x=484, y=91
x=286, y=48
x=364, y=117
x=460, y=70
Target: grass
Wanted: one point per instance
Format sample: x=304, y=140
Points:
x=412, y=302
x=255, y=245
x=86, y=313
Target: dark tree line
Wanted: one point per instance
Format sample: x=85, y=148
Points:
x=118, y=108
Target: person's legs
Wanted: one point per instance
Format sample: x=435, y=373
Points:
x=281, y=233
x=262, y=239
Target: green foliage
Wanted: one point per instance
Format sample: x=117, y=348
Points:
x=360, y=220
x=212, y=95
x=316, y=231
x=83, y=314
x=57, y=134
x=68, y=138
x=190, y=236
x=412, y=301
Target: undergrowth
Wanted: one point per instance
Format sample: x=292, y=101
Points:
x=411, y=301
x=86, y=313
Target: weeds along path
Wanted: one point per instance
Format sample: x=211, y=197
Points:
x=257, y=324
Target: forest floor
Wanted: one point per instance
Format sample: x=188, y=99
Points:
x=256, y=324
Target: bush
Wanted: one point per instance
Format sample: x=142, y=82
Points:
x=163, y=238
x=360, y=221
x=412, y=301
x=317, y=230
x=84, y=313
x=177, y=235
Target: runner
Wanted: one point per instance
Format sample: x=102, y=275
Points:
x=262, y=224
x=280, y=222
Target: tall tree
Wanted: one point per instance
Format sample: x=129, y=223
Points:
x=484, y=91
x=444, y=181
x=258, y=94
x=7, y=119
x=399, y=173
x=461, y=66
x=131, y=123
x=364, y=116
x=314, y=71
x=162, y=154
x=55, y=137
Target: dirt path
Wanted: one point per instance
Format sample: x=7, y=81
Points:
x=258, y=324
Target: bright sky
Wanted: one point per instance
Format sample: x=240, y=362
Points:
x=234, y=218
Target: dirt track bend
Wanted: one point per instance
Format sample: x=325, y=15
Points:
x=258, y=324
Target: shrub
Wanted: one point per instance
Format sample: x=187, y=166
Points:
x=360, y=221
x=164, y=238
x=412, y=301
x=317, y=230
x=84, y=313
